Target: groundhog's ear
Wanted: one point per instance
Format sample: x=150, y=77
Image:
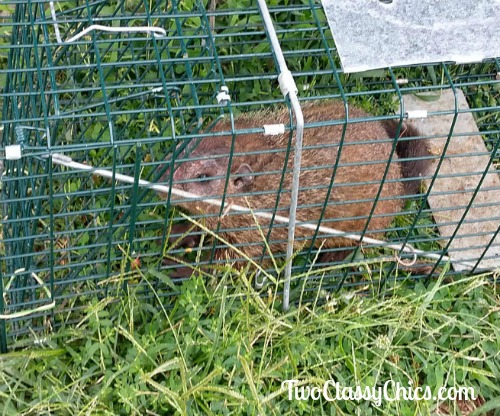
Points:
x=245, y=177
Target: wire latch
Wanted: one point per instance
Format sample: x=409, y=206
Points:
x=223, y=96
x=417, y=114
x=274, y=129
x=13, y=152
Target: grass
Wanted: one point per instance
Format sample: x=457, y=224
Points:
x=222, y=348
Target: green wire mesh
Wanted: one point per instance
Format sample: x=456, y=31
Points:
x=126, y=101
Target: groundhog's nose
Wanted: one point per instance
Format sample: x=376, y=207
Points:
x=177, y=175
x=165, y=177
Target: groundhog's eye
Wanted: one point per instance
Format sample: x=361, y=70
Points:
x=203, y=177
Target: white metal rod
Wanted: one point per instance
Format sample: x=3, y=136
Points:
x=288, y=87
x=64, y=160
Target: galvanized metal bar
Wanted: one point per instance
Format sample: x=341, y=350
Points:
x=63, y=160
x=288, y=88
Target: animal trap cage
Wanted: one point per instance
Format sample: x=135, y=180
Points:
x=93, y=90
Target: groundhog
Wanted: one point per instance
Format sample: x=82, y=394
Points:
x=256, y=176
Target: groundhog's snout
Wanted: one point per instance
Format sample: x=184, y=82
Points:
x=178, y=176
x=165, y=180
x=165, y=177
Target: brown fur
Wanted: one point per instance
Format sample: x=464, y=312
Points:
x=344, y=201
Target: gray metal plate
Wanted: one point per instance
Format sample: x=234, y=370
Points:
x=370, y=34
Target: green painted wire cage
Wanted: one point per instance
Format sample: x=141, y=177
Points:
x=123, y=86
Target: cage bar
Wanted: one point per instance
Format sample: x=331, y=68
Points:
x=139, y=104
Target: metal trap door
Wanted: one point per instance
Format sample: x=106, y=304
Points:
x=116, y=87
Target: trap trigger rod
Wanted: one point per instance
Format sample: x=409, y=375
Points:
x=60, y=159
x=288, y=89
x=13, y=152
